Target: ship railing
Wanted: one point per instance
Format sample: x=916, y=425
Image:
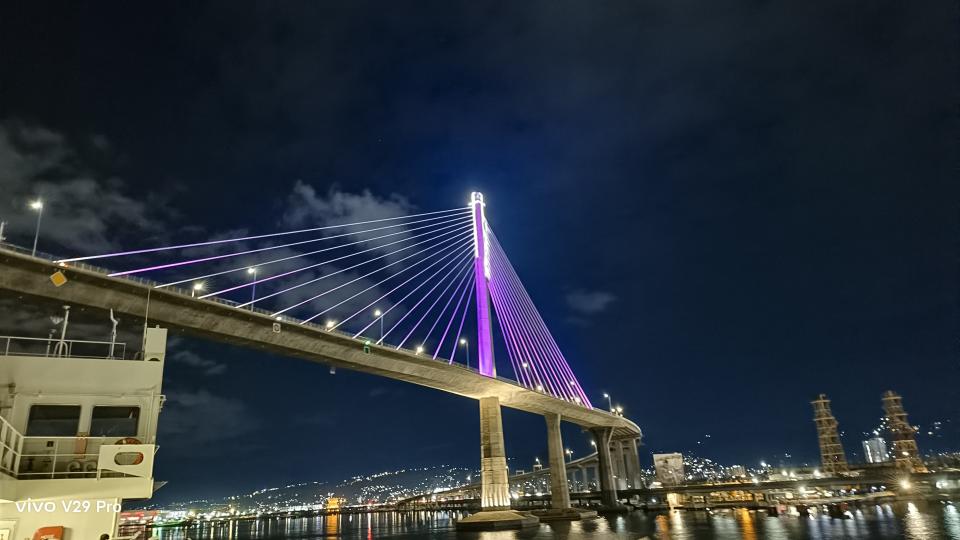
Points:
x=11, y=446
x=62, y=348
x=44, y=457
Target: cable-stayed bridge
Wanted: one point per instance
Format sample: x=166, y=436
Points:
x=429, y=298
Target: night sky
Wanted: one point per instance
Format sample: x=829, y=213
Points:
x=722, y=209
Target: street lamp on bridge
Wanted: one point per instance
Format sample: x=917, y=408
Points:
x=38, y=206
x=379, y=315
x=253, y=294
x=197, y=287
x=466, y=344
x=609, y=401
x=569, y=453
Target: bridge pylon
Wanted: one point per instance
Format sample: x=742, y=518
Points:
x=494, y=482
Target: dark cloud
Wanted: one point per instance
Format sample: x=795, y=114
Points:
x=83, y=209
x=199, y=422
x=201, y=364
x=589, y=302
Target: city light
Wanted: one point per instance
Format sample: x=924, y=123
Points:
x=36, y=205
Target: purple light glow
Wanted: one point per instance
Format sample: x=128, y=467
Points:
x=524, y=376
x=481, y=274
x=537, y=359
x=560, y=367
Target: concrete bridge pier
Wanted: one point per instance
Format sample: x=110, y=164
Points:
x=608, y=489
x=559, y=488
x=560, y=509
x=494, y=477
x=495, y=487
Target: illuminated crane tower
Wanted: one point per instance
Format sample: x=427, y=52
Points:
x=832, y=458
x=905, y=451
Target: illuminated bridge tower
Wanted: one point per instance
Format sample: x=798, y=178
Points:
x=904, y=438
x=495, y=486
x=832, y=458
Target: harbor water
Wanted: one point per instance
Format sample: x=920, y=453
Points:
x=904, y=520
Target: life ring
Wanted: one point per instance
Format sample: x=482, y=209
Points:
x=130, y=440
x=74, y=466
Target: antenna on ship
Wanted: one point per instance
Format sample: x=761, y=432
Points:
x=60, y=349
x=113, y=334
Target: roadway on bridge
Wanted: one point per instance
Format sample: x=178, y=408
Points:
x=30, y=276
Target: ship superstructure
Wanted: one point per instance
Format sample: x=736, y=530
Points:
x=78, y=425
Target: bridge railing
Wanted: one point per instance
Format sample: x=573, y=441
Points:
x=230, y=303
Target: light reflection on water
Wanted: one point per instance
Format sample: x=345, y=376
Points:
x=901, y=520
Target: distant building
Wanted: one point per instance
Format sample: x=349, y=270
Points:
x=736, y=471
x=875, y=450
x=669, y=468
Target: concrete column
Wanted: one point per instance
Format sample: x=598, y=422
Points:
x=559, y=490
x=582, y=484
x=495, y=486
x=608, y=491
x=633, y=465
x=619, y=473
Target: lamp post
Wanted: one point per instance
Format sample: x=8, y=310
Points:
x=619, y=410
x=569, y=453
x=609, y=401
x=253, y=294
x=38, y=206
x=379, y=314
x=197, y=287
x=466, y=344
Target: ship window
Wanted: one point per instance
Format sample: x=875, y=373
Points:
x=114, y=421
x=53, y=421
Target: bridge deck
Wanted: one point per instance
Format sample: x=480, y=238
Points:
x=27, y=275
